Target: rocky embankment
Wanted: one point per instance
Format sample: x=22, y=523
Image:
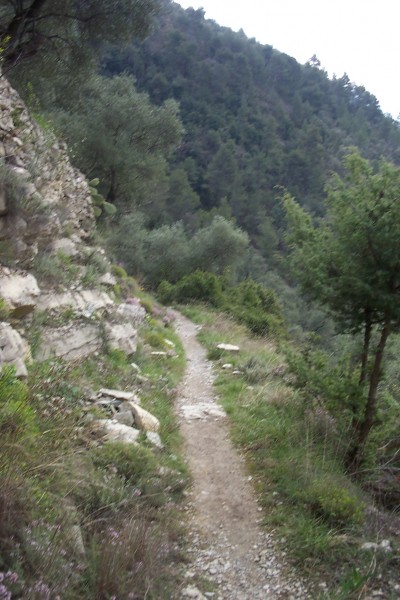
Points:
x=49, y=305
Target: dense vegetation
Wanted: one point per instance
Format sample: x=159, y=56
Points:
x=211, y=159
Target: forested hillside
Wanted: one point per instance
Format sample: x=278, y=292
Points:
x=254, y=119
x=203, y=121
x=258, y=196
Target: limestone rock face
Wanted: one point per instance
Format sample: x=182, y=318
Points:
x=56, y=197
x=14, y=350
x=121, y=337
x=69, y=342
x=20, y=291
x=86, y=300
x=131, y=312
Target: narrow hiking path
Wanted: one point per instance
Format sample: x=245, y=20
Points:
x=227, y=544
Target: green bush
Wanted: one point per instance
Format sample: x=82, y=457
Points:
x=147, y=305
x=154, y=338
x=255, y=306
x=200, y=286
x=166, y=292
x=119, y=271
x=337, y=505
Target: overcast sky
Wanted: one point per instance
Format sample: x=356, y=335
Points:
x=359, y=37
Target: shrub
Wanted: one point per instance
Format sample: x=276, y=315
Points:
x=166, y=292
x=332, y=501
x=255, y=306
x=147, y=305
x=154, y=338
x=119, y=271
x=56, y=270
x=198, y=286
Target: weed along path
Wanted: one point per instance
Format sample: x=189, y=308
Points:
x=227, y=544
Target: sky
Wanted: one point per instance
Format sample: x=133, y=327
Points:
x=357, y=37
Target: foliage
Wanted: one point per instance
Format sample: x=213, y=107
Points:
x=198, y=286
x=349, y=263
x=168, y=252
x=59, y=486
x=254, y=119
x=219, y=245
x=257, y=307
x=337, y=505
x=4, y=310
x=68, y=34
x=133, y=463
x=100, y=205
x=57, y=269
x=294, y=453
x=17, y=419
x=121, y=139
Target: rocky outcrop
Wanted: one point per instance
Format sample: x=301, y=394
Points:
x=84, y=301
x=48, y=196
x=70, y=342
x=121, y=337
x=14, y=351
x=19, y=290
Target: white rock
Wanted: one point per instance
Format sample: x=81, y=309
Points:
x=69, y=343
x=116, y=432
x=14, y=350
x=90, y=300
x=192, y=591
x=144, y=419
x=227, y=366
x=66, y=246
x=154, y=438
x=121, y=337
x=20, y=290
x=202, y=410
x=133, y=313
x=228, y=347
x=124, y=416
x=108, y=279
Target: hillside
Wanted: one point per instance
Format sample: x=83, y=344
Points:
x=254, y=118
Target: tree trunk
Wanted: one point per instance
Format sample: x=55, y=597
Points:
x=364, y=427
x=112, y=192
x=365, y=350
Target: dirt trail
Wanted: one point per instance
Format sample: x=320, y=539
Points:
x=228, y=544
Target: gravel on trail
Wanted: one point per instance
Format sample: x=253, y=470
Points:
x=227, y=544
